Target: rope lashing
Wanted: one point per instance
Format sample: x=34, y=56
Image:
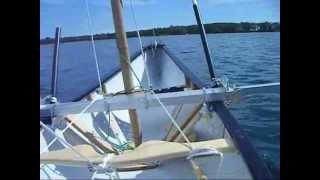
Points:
x=141, y=86
x=206, y=105
x=122, y=145
x=105, y=168
x=205, y=94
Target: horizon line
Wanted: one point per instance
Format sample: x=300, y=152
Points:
x=162, y=27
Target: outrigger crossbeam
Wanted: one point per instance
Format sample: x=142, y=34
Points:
x=139, y=100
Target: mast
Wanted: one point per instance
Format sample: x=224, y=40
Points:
x=203, y=39
x=55, y=62
x=122, y=45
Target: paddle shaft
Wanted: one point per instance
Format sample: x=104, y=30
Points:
x=204, y=39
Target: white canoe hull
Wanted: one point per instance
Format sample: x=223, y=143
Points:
x=154, y=124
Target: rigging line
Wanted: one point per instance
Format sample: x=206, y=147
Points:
x=68, y=126
x=93, y=44
x=164, y=108
x=175, y=117
x=90, y=25
x=65, y=143
x=171, y=118
x=154, y=34
x=140, y=42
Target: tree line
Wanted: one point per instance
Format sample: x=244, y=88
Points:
x=182, y=30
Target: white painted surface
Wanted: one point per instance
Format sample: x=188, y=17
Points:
x=154, y=123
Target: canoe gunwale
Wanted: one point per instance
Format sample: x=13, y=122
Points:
x=256, y=165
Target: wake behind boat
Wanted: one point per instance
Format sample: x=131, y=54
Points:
x=150, y=118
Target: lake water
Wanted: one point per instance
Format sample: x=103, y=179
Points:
x=245, y=58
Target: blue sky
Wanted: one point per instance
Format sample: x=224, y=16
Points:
x=71, y=14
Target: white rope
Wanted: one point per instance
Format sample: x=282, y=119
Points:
x=93, y=44
x=154, y=48
x=171, y=118
x=164, y=108
x=194, y=152
x=148, y=78
x=65, y=142
x=106, y=168
x=140, y=42
x=154, y=37
x=68, y=126
x=97, y=69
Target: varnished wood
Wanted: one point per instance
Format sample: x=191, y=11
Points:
x=122, y=45
x=104, y=146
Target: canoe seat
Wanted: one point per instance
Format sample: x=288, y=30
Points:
x=147, y=152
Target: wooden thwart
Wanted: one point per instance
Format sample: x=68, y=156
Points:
x=147, y=152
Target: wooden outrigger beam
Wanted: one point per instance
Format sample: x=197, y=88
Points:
x=138, y=100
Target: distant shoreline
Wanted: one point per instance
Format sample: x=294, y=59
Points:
x=213, y=28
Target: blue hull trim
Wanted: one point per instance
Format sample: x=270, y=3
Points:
x=256, y=165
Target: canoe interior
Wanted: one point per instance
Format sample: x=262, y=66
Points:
x=164, y=73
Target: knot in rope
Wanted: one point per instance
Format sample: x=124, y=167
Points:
x=105, y=168
x=205, y=94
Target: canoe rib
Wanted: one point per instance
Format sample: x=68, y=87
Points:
x=147, y=152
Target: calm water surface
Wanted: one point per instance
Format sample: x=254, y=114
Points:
x=245, y=58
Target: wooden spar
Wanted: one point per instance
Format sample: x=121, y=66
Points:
x=186, y=123
x=189, y=83
x=104, y=88
x=174, y=114
x=103, y=145
x=122, y=45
